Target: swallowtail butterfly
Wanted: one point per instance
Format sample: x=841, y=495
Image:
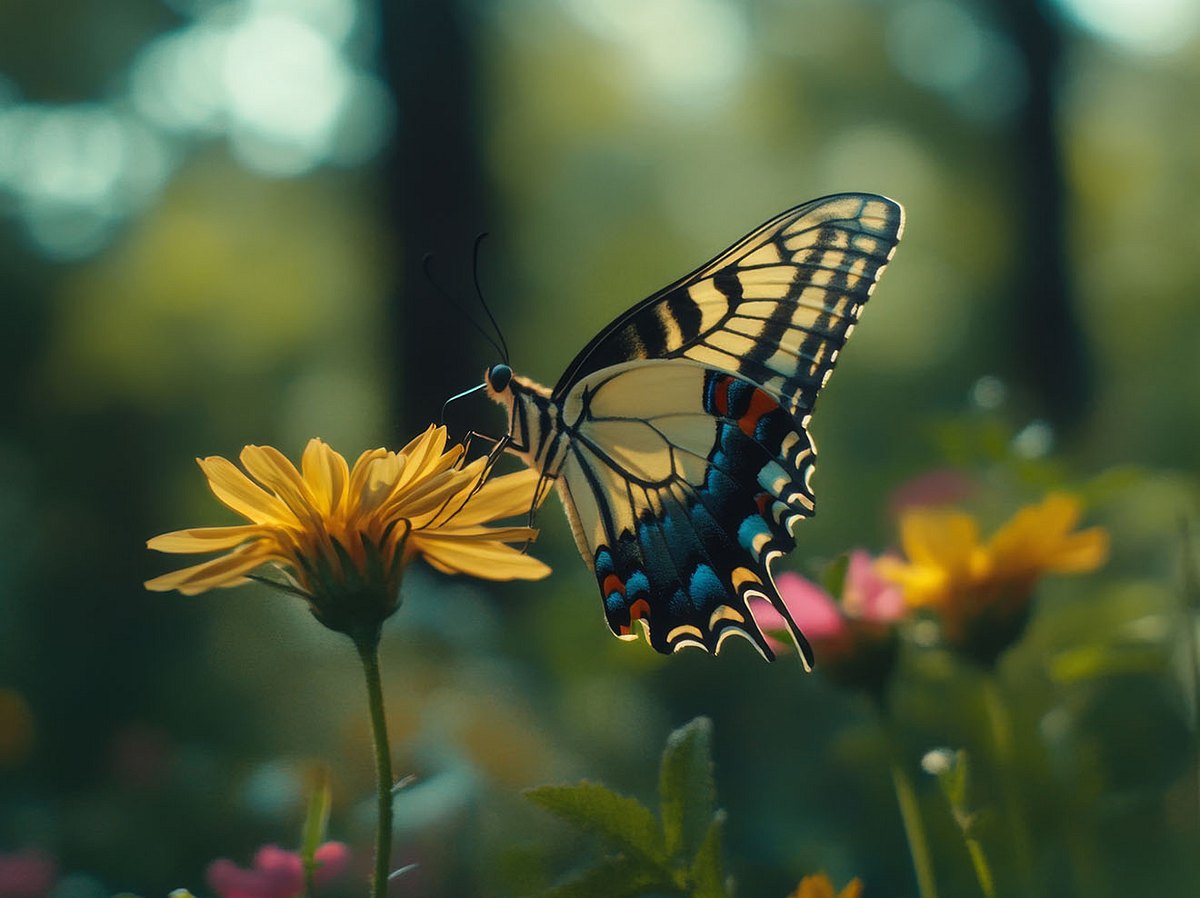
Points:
x=678, y=438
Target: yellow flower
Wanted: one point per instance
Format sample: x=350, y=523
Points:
x=945, y=557
x=820, y=886
x=969, y=583
x=1038, y=540
x=341, y=536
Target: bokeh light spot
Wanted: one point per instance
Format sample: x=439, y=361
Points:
x=688, y=51
x=286, y=85
x=942, y=46
x=1143, y=26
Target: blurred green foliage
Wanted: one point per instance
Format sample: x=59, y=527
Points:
x=676, y=851
x=200, y=247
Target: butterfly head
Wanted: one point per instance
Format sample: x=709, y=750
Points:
x=498, y=377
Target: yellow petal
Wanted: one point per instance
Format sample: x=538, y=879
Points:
x=437, y=498
x=274, y=470
x=418, y=452
x=425, y=450
x=228, y=570
x=432, y=463
x=486, y=560
x=326, y=474
x=1038, y=539
x=204, y=539
x=490, y=534
x=241, y=494
x=361, y=472
x=416, y=448
x=1080, y=552
x=1060, y=511
x=1035, y=527
x=947, y=539
x=922, y=585
x=376, y=481
x=818, y=886
x=502, y=497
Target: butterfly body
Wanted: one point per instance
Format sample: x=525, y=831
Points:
x=678, y=438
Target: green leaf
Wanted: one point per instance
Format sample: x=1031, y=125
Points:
x=316, y=820
x=1094, y=662
x=614, y=877
x=706, y=874
x=624, y=822
x=950, y=768
x=956, y=780
x=833, y=578
x=686, y=789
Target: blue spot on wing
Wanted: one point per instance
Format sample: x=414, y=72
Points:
x=706, y=587
x=751, y=528
x=637, y=585
x=604, y=564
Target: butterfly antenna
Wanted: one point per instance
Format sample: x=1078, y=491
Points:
x=462, y=395
x=426, y=262
x=478, y=292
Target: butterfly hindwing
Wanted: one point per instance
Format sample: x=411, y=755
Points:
x=683, y=484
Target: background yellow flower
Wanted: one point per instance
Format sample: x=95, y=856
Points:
x=820, y=886
x=975, y=586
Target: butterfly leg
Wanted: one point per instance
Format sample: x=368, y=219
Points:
x=483, y=437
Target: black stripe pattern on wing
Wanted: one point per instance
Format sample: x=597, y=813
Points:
x=825, y=255
x=699, y=551
x=795, y=340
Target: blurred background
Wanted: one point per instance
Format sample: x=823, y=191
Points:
x=212, y=220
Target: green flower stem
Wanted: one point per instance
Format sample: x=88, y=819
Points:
x=1000, y=725
x=914, y=829
x=368, y=651
x=983, y=872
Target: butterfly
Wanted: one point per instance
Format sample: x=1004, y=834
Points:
x=678, y=437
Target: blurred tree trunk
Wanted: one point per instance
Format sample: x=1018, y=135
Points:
x=436, y=201
x=1052, y=352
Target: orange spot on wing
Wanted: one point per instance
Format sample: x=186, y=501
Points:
x=721, y=396
x=760, y=404
x=637, y=611
x=764, y=501
x=612, y=583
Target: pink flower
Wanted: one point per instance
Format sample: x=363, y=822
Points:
x=854, y=640
x=27, y=874
x=866, y=595
x=811, y=607
x=277, y=873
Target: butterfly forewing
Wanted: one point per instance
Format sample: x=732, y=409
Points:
x=775, y=308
